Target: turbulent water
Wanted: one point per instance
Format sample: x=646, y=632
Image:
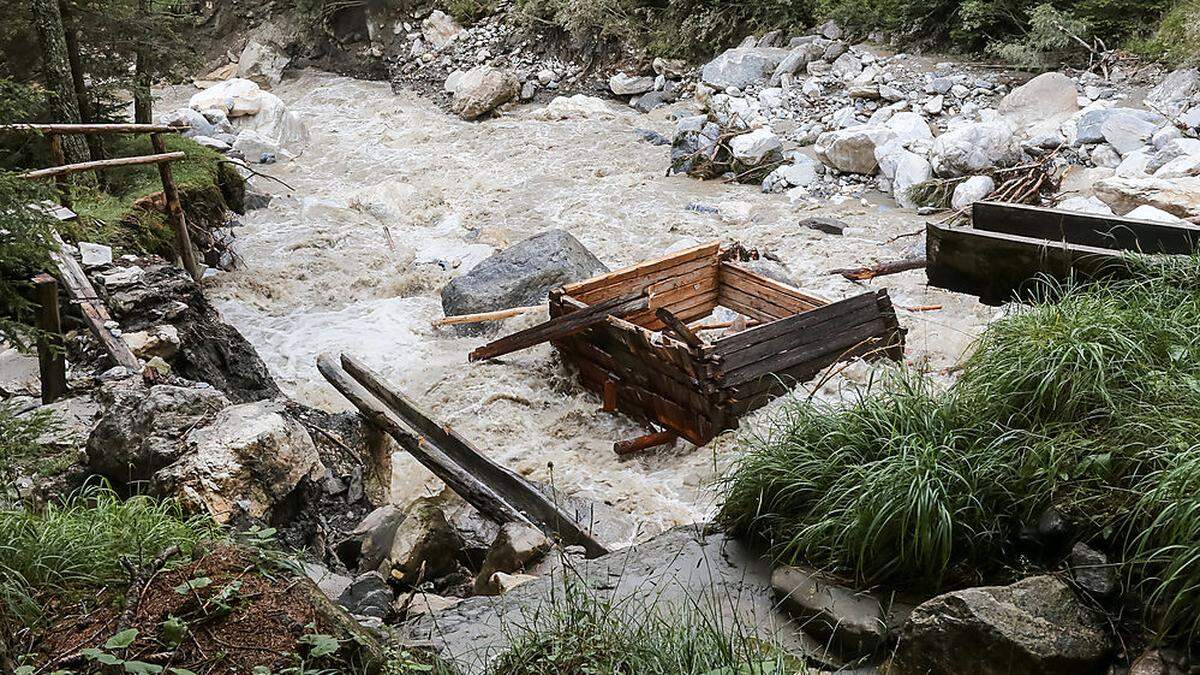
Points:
x=387, y=185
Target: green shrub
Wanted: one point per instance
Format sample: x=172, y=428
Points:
x=1087, y=401
x=74, y=549
x=25, y=241
x=1176, y=39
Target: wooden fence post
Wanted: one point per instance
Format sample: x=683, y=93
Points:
x=183, y=241
x=52, y=363
x=60, y=158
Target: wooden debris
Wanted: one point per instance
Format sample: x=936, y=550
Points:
x=646, y=442
x=560, y=327
x=493, y=490
x=183, y=241
x=1009, y=246
x=882, y=268
x=679, y=328
x=694, y=389
x=482, y=317
x=95, y=128
x=95, y=314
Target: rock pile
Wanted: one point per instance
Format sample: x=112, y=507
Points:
x=239, y=118
x=840, y=118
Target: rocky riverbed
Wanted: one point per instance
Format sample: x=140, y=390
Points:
x=393, y=197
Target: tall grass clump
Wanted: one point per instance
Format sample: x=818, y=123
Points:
x=581, y=631
x=77, y=547
x=1087, y=400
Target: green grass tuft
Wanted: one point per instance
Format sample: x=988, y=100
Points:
x=1088, y=402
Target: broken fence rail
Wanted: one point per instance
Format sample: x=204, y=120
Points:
x=496, y=492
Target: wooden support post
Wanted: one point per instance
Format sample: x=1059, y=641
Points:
x=183, y=241
x=644, y=442
x=610, y=396
x=52, y=362
x=59, y=158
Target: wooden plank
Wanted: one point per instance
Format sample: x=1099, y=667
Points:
x=483, y=317
x=79, y=289
x=585, y=287
x=52, y=360
x=643, y=283
x=183, y=241
x=95, y=128
x=535, y=506
x=478, y=494
x=820, y=322
x=1086, y=229
x=750, y=337
x=642, y=404
x=835, y=343
x=559, y=327
x=757, y=393
x=104, y=164
x=996, y=265
x=750, y=304
x=679, y=328
x=686, y=308
x=775, y=291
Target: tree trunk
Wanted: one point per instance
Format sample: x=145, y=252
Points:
x=86, y=112
x=64, y=106
x=143, y=102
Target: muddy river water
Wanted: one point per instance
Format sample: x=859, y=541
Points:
x=389, y=190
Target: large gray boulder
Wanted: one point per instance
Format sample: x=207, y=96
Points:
x=521, y=275
x=975, y=148
x=742, y=67
x=855, y=623
x=1032, y=627
x=425, y=545
x=250, y=458
x=796, y=60
x=140, y=431
x=1089, y=128
x=853, y=150
x=1045, y=97
x=517, y=545
x=1176, y=92
x=1177, y=196
x=481, y=90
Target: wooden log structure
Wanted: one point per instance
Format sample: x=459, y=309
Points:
x=65, y=129
x=115, y=162
x=52, y=360
x=650, y=364
x=1008, y=247
x=183, y=240
x=496, y=492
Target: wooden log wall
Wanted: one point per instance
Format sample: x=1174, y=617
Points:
x=759, y=363
x=685, y=283
x=1086, y=229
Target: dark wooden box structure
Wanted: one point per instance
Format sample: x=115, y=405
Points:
x=698, y=390
x=1010, y=245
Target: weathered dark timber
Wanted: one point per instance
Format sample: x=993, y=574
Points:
x=692, y=389
x=996, y=266
x=560, y=327
x=881, y=269
x=1110, y=232
x=95, y=314
x=679, y=328
x=183, y=241
x=95, y=128
x=52, y=360
x=478, y=494
x=531, y=502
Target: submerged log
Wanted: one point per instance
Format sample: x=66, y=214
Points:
x=646, y=442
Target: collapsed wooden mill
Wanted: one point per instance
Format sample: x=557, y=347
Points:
x=637, y=338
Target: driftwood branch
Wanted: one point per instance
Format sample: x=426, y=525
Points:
x=881, y=269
